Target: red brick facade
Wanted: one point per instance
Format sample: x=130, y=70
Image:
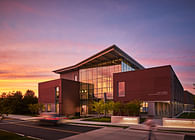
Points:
x=47, y=91
x=69, y=100
x=153, y=84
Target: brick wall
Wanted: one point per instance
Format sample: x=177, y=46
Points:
x=153, y=84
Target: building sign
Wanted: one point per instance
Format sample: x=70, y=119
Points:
x=159, y=93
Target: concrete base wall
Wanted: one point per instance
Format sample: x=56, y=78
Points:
x=124, y=120
x=181, y=123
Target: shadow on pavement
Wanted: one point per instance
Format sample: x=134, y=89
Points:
x=189, y=137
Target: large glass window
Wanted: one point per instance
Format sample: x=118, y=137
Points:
x=57, y=92
x=144, y=107
x=98, y=80
x=126, y=66
x=57, y=95
x=75, y=77
x=121, y=89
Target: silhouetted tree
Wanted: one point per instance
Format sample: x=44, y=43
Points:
x=29, y=98
x=4, y=106
x=16, y=103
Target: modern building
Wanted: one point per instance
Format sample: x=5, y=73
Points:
x=92, y=79
x=159, y=89
x=60, y=96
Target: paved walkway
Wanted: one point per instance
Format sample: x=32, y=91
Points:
x=21, y=117
x=79, y=121
x=111, y=133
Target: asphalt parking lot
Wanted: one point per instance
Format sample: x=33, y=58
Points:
x=33, y=129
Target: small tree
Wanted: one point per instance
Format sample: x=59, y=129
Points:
x=110, y=107
x=118, y=108
x=35, y=108
x=131, y=108
x=128, y=108
x=107, y=107
x=98, y=107
x=136, y=107
x=4, y=107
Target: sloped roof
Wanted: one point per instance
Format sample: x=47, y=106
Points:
x=110, y=53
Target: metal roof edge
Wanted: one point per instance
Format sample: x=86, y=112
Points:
x=113, y=47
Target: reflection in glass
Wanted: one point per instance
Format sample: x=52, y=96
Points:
x=98, y=79
x=121, y=89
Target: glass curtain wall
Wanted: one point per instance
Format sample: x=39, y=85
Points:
x=125, y=66
x=98, y=81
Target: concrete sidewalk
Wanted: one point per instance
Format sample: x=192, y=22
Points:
x=164, y=129
x=21, y=117
x=79, y=121
x=111, y=133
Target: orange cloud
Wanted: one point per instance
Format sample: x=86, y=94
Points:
x=21, y=85
x=25, y=64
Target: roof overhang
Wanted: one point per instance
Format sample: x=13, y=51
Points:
x=111, y=53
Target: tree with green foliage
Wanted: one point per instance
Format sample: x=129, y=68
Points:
x=102, y=107
x=98, y=107
x=106, y=108
x=35, y=108
x=118, y=108
x=110, y=107
x=132, y=108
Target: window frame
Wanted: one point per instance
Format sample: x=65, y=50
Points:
x=119, y=89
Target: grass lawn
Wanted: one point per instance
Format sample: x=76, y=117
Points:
x=10, y=136
x=101, y=119
x=187, y=115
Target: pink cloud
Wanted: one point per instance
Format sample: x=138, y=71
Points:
x=189, y=87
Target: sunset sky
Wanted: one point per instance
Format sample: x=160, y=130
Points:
x=39, y=36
